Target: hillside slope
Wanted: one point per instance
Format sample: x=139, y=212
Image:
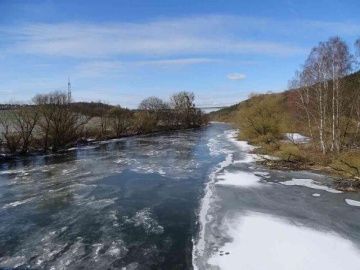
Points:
x=264, y=119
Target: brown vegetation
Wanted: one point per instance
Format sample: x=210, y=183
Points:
x=54, y=123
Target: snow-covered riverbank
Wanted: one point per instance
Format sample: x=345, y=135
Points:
x=255, y=218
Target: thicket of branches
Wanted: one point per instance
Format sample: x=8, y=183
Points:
x=52, y=122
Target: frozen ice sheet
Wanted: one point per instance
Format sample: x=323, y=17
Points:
x=264, y=242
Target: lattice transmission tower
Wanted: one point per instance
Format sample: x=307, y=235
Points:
x=69, y=90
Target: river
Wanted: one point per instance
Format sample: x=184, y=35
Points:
x=180, y=200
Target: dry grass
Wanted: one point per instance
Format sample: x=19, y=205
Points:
x=303, y=156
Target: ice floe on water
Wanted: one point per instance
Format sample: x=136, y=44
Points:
x=13, y=204
x=352, y=202
x=99, y=204
x=310, y=184
x=144, y=219
x=87, y=147
x=264, y=242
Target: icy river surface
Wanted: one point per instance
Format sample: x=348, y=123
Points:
x=180, y=200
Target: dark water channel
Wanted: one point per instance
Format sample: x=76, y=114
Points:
x=128, y=203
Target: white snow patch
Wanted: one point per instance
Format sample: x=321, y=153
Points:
x=244, y=145
x=239, y=178
x=352, y=202
x=316, y=195
x=310, y=184
x=249, y=158
x=261, y=173
x=228, y=160
x=264, y=242
x=262, y=157
x=297, y=137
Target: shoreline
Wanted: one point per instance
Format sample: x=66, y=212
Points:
x=6, y=158
x=338, y=182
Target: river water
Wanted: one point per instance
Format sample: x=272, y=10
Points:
x=180, y=200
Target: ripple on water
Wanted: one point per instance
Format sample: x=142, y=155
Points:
x=143, y=218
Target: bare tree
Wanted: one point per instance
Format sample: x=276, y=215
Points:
x=11, y=137
x=102, y=112
x=59, y=124
x=119, y=120
x=323, y=95
x=152, y=105
x=25, y=120
x=357, y=47
x=184, y=107
x=339, y=63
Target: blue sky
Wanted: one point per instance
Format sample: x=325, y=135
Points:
x=121, y=52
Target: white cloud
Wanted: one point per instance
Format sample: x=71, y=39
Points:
x=236, y=76
x=184, y=36
x=201, y=35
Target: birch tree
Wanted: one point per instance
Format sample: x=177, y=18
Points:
x=323, y=95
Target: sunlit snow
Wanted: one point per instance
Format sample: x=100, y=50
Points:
x=239, y=178
x=264, y=242
x=352, y=202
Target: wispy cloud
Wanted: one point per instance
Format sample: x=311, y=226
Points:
x=99, y=68
x=177, y=62
x=110, y=67
x=337, y=28
x=184, y=36
x=236, y=76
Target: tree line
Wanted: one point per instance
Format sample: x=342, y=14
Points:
x=53, y=122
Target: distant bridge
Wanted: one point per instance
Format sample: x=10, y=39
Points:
x=213, y=107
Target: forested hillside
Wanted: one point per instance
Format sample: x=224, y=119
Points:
x=322, y=103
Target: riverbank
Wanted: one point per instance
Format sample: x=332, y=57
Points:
x=288, y=218
x=86, y=142
x=288, y=156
